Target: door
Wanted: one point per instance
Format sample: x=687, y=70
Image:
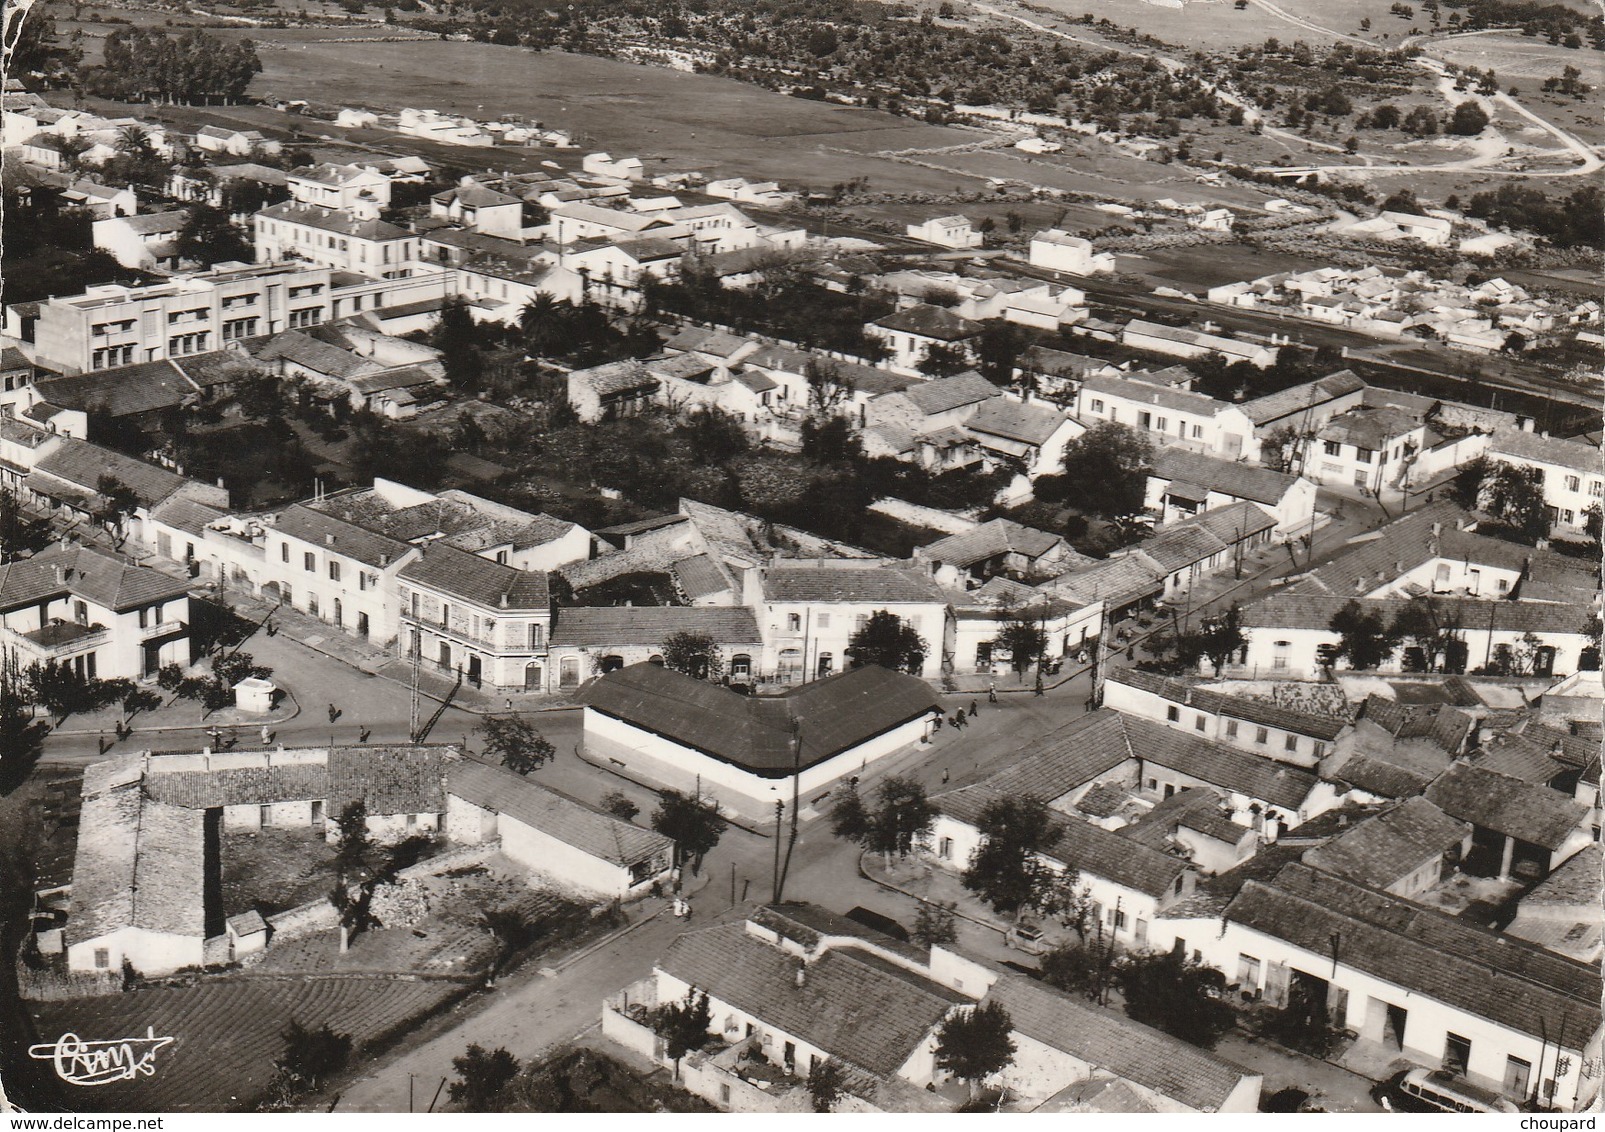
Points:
x=1456, y=1054
x=473, y=669
x=1518, y=1076
x=445, y=656
x=1393, y=1031
x=362, y=624
x=532, y=677
x=339, y=614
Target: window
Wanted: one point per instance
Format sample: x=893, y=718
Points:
x=309, y=562
x=334, y=570
x=1573, y=483
x=537, y=634
x=1173, y=713
x=1566, y=516
x=284, y=552
x=1198, y=723
x=1261, y=735
x=312, y=604
x=1198, y=432
x=824, y=621
x=1119, y=920
x=1319, y=750
x=860, y=621
x=794, y=622
x=1161, y=424
x=237, y=328
x=1596, y=488
x=1290, y=743
x=102, y=958
x=306, y=316
x=1097, y=405
x=265, y=816
x=741, y=666
x=1231, y=729
x=1248, y=971
x=144, y=618
x=1279, y=656
x=1332, y=448
x=1363, y=455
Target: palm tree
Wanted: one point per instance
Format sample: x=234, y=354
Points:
x=544, y=323
x=135, y=142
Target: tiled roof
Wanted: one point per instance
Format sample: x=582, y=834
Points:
x=700, y=576
x=148, y=223
x=1106, y=1040
x=931, y=322
x=1575, y=882
x=1552, y=450
x=756, y=733
x=651, y=625
x=1368, y=428
x=319, y=356
x=1483, y=973
x=469, y=577
x=868, y=380
x=387, y=780
x=1527, y=811
x=1243, y=481
x=85, y=572
x=1219, y=765
x=1070, y=757
x=1234, y=522
x=332, y=220
x=1443, y=726
x=1314, y=611
x=126, y=391
x=348, y=539
x=1032, y=424
x=615, y=377
x=82, y=464
x=1147, y=393
x=1180, y=546
x=588, y=829
x=139, y=864
x=1312, y=394
x=868, y=585
x=999, y=536
x=947, y=393
x=1081, y=845
x=1384, y=849
x=1116, y=581
x=854, y=1006
x=219, y=367
x=188, y=515
x=1246, y=708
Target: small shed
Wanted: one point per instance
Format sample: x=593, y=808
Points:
x=247, y=932
x=254, y=694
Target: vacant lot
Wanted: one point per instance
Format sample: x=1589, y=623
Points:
x=1211, y=24
x=275, y=870
x=1202, y=266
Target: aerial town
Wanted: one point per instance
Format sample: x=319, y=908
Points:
x=874, y=556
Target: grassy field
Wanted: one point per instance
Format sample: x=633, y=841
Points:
x=1525, y=63
x=1203, y=266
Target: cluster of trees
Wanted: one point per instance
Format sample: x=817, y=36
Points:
x=516, y=742
x=1115, y=457
x=484, y=1079
x=215, y=691
x=1216, y=639
x=1576, y=220
x=310, y=1058
x=581, y=335
x=1511, y=495
x=147, y=64
x=891, y=823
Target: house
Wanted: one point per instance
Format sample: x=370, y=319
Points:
x=480, y=208
x=748, y=752
x=1178, y=342
x=621, y=168
x=1433, y=231
x=947, y=232
x=147, y=242
x=215, y=184
x=1569, y=470
x=1057, y=250
x=356, y=118
x=564, y=841
x=924, y=408
x=1405, y=850
x=238, y=143
x=978, y=615
x=1212, y=220
x=68, y=477
x=147, y=837
x=335, y=570
x=1303, y=409
x=579, y=221
x=997, y=547
x=808, y=611
x=591, y=640
x=344, y=188
x=485, y=622
x=1028, y=435
x=1412, y=982
x=347, y=361
x=1561, y=912
x=1519, y=828
x=913, y=333
x=612, y=390
x=93, y=612
x=1369, y=449
x=337, y=239
x=1169, y=416
x=1183, y=483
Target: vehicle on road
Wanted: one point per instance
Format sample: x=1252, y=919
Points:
x=1437, y=1090
x=1026, y=937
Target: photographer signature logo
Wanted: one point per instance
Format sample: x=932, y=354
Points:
x=101, y=1063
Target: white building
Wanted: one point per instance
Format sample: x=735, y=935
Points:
x=1572, y=476
x=947, y=232
x=1168, y=416
x=1179, y=342
x=348, y=188
x=1057, y=250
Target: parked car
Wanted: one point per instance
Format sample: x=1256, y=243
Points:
x=1437, y=1090
x=1026, y=937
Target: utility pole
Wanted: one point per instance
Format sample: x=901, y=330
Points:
x=796, y=803
x=774, y=886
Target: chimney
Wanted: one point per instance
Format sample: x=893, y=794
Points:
x=221, y=484
x=504, y=599
x=328, y=540
x=384, y=560
x=802, y=974
x=1437, y=529
x=1558, y=749
x=56, y=569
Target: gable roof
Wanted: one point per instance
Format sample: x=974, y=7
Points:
x=588, y=829
x=853, y=1005
x=1243, y=481
x=1219, y=765
x=356, y=542
x=756, y=733
x=139, y=864
x=1553, y=450
x=1384, y=849
x=1147, y=393
x=94, y=575
x=1109, y=1041
x=125, y=391
x=989, y=539
x=1026, y=423
x=459, y=574
x=1527, y=811
x=947, y=393
x=1297, y=398
x=1257, y=711
x=82, y=464
x=1484, y=973
x=866, y=585
x=651, y=625
x=1369, y=428
x=929, y=321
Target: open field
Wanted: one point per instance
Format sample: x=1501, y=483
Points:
x=1202, y=266
x=225, y=1034
x=1525, y=63
x=1207, y=24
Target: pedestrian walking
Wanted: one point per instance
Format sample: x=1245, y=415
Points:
x=334, y=713
x=1038, y=691
x=509, y=703
x=363, y=737
x=975, y=710
x=992, y=693
x=938, y=725
x=945, y=776
x=267, y=736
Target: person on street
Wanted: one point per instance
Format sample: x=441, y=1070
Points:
x=945, y=776
x=974, y=709
x=992, y=693
x=267, y=736
x=334, y=713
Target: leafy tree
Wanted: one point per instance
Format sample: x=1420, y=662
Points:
x=516, y=742
x=619, y=805
x=118, y=504
x=694, y=654
x=1115, y=457
x=694, y=826
x=1366, y=638
x=1428, y=625
x=1069, y=900
x=885, y=640
x=1421, y=122
x=1025, y=639
x=1385, y=117
x=354, y=854
x=511, y=930
x=1468, y=120
x=310, y=1057
x=900, y=816
x=683, y=1026
x=458, y=338
x=973, y=1044
x=714, y=435
x=483, y=1077
x=943, y=361
x=1222, y=638
x=21, y=736
x=208, y=236
x=830, y=440
x=1176, y=995
x=1514, y=497
x=827, y=1084
x=935, y=924
x=1081, y=968
x=997, y=349
x=1006, y=869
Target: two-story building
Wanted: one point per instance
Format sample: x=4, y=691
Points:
x=1168, y=416
x=472, y=617
x=912, y=335
x=336, y=239
x=340, y=187
x=1372, y=450
x=1572, y=477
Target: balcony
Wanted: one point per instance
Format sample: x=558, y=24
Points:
x=491, y=644
x=59, y=638
x=163, y=629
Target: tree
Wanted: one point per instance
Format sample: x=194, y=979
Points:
x=997, y=349
x=1421, y=121
x=310, y=1057
x=830, y=440
x=118, y=504
x=1425, y=624
x=1069, y=900
x=21, y=535
x=1176, y=995
x=935, y=924
x=885, y=640
x=714, y=435
x=1081, y=968
x=511, y=929
x=619, y=805
x=1117, y=459
x=1514, y=497
x=354, y=850
x=694, y=654
x=543, y=322
x=943, y=361
x=683, y=1026
x=1023, y=636
x=516, y=742
x=457, y=337
x=1222, y=638
x=482, y=1079
x=1468, y=120
x=1385, y=117
x=1365, y=638
x=827, y=1084
x=693, y=825
x=208, y=237
x=1006, y=869
x=973, y=1044
x=900, y=816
